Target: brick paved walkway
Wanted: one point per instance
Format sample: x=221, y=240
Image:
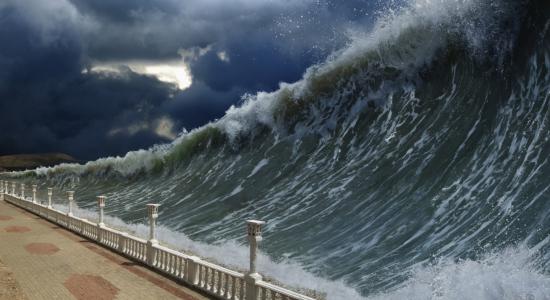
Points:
x=49, y=262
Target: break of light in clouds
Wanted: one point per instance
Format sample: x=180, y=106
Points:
x=174, y=72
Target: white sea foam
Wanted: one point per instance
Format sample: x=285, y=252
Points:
x=510, y=274
x=229, y=253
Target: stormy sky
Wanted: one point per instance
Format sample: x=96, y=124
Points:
x=94, y=78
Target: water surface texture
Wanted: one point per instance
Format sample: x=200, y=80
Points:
x=413, y=164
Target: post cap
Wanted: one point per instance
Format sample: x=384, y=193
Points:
x=101, y=201
x=70, y=194
x=153, y=209
x=254, y=227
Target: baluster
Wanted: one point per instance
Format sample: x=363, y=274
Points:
x=233, y=288
x=199, y=275
x=206, y=274
x=242, y=288
x=219, y=285
x=175, y=270
x=226, y=288
x=171, y=263
x=264, y=293
x=180, y=267
x=213, y=280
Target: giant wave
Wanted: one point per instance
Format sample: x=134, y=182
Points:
x=411, y=164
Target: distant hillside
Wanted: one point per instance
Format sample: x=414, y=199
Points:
x=31, y=161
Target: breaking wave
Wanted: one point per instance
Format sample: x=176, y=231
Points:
x=411, y=164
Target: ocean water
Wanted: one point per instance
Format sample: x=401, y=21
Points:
x=412, y=164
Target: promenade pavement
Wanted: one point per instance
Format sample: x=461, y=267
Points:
x=48, y=262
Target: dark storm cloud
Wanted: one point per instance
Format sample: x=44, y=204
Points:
x=47, y=102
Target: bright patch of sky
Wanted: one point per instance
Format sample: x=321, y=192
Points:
x=174, y=72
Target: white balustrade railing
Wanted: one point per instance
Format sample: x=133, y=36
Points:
x=213, y=279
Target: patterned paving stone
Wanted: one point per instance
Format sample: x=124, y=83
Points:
x=88, y=287
x=41, y=248
x=17, y=229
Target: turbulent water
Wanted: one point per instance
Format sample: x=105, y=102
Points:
x=413, y=164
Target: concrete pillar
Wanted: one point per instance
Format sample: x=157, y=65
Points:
x=152, y=210
x=34, y=193
x=193, y=270
x=101, y=204
x=50, y=193
x=100, y=224
x=70, y=195
x=123, y=236
x=254, y=232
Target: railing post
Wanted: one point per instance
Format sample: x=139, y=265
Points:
x=50, y=193
x=23, y=191
x=101, y=204
x=193, y=270
x=70, y=195
x=122, y=241
x=2, y=190
x=13, y=189
x=100, y=224
x=152, y=210
x=34, y=193
x=254, y=232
